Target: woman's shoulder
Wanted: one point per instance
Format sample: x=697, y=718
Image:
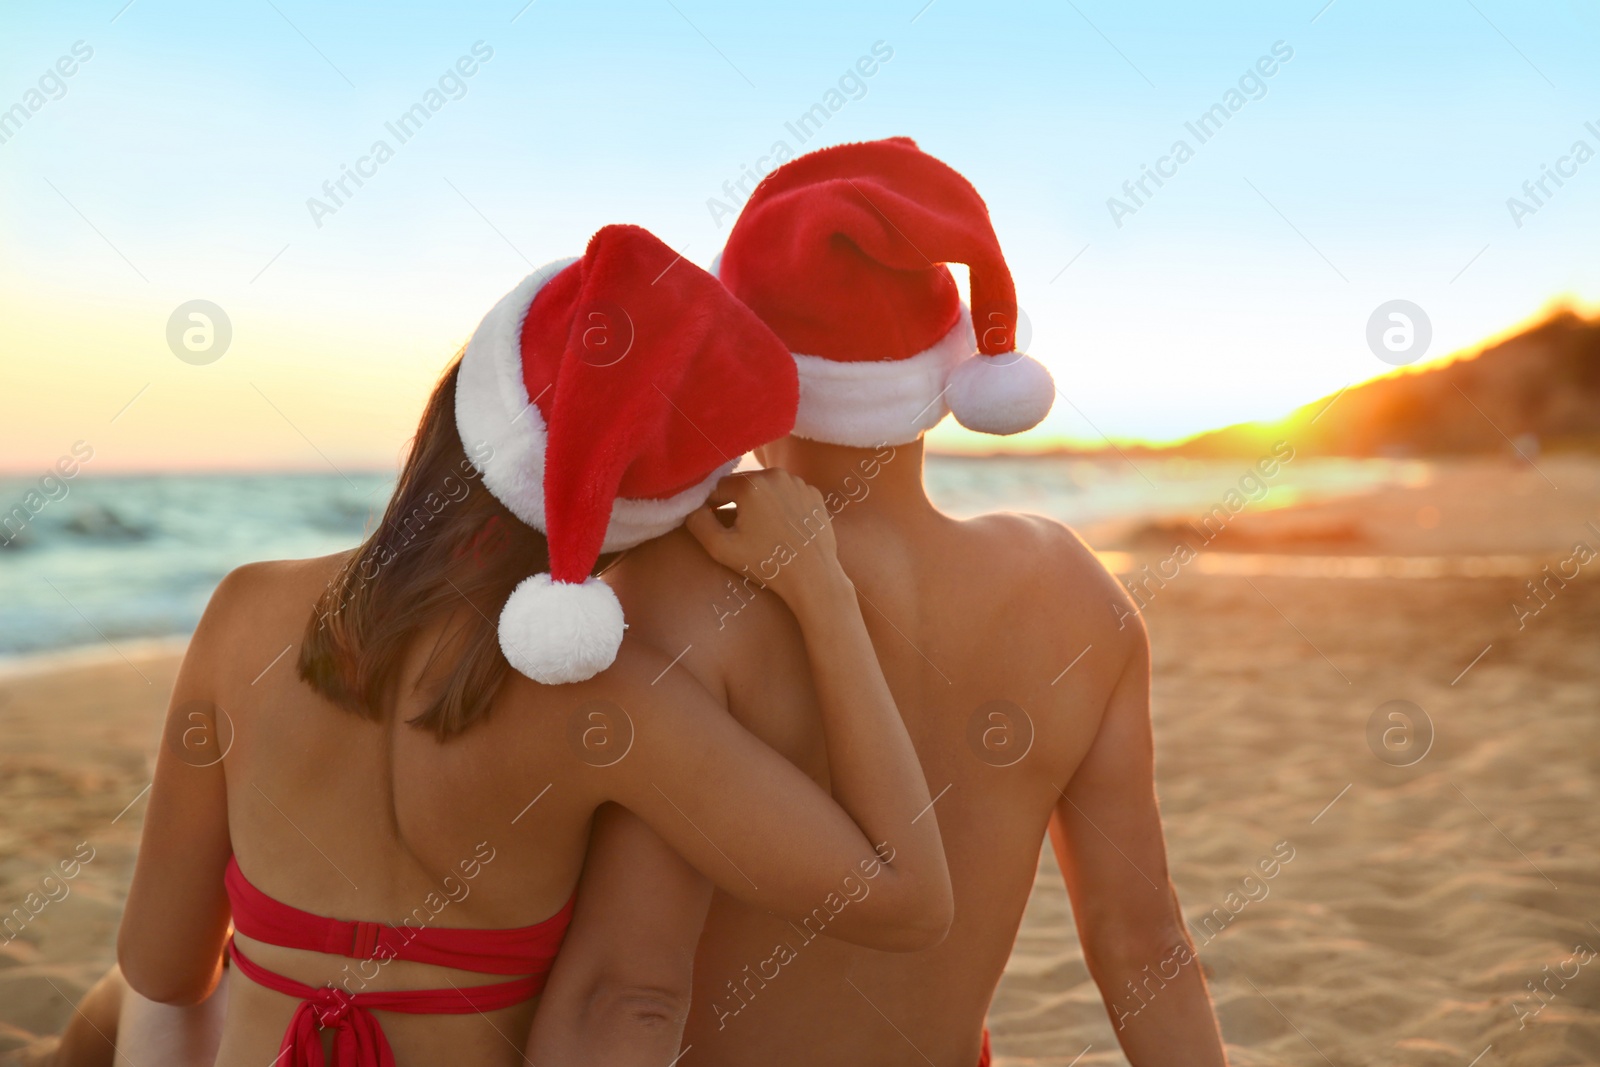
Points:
x=266, y=581
x=258, y=604
x=262, y=592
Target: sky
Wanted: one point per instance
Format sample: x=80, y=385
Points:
x=184, y=158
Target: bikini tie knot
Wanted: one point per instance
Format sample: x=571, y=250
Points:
x=332, y=1006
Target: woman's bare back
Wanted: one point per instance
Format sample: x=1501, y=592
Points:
x=343, y=816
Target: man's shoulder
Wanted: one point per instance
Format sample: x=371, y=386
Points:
x=1033, y=549
x=1043, y=570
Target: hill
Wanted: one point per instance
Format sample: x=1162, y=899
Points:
x=1539, y=388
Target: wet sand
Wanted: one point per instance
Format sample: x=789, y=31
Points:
x=1420, y=899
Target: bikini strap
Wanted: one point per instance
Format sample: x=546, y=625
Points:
x=516, y=950
x=359, y=1041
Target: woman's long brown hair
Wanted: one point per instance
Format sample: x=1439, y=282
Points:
x=446, y=552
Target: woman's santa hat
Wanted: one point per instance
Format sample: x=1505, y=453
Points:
x=842, y=252
x=602, y=399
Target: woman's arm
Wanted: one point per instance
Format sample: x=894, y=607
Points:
x=619, y=993
x=175, y=923
x=869, y=861
x=1107, y=835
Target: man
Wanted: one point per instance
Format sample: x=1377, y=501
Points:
x=1018, y=664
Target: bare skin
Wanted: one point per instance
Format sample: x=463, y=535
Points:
x=344, y=816
x=990, y=631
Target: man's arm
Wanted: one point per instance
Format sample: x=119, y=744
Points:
x=1107, y=835
x=619, y=993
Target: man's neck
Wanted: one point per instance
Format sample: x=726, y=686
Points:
x=884, y=481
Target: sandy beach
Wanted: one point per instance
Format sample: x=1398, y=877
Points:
x=1428, y=889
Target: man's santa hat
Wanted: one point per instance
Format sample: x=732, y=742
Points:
x=602, y=399
x=842, y=252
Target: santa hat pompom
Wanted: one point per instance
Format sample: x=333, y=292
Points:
x=1003, y=394
x=560, y=632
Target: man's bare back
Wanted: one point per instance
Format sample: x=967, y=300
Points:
x=1003, y=645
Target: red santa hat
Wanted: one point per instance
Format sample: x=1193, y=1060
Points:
x=842, y=252
x=601, y=400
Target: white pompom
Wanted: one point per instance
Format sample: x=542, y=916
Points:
x=557, y=632
x=1002, y=394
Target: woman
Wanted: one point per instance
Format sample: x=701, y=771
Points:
x=407, y=779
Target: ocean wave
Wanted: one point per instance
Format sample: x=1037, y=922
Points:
x=98, y=522
x=134, y=558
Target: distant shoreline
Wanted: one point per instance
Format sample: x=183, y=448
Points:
x=47, y=661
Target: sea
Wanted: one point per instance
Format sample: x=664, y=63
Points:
x=115, y=559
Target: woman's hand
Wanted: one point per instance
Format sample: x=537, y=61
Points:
x=782, y=535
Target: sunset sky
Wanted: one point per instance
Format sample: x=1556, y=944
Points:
x=176, y=163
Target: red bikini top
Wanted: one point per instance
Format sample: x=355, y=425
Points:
x=516, y=950
x=359, y=1042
